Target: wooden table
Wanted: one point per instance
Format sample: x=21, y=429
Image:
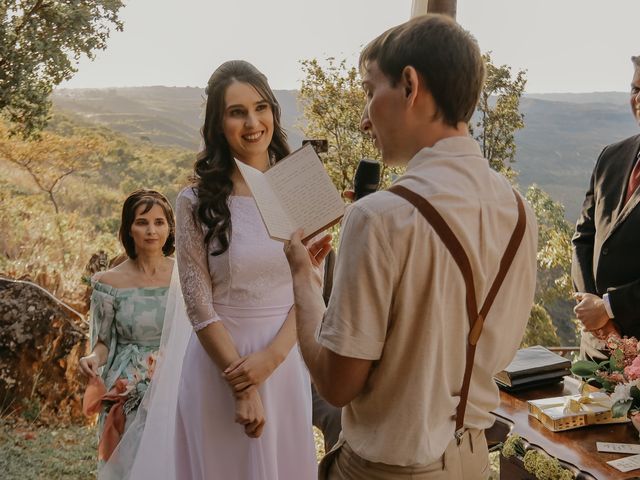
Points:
x=574, y=447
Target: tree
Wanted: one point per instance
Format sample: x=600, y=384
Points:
x=40, y=44
x=554, y=288
x=497, y=119
x=498, y=116
x=333, y=100
x=50, y=158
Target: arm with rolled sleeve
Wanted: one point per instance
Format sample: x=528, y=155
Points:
x=351, y=332
x=355, y=323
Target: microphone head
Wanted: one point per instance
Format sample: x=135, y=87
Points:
x=367, y=178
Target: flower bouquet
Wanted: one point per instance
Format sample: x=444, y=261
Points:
x=618, y=376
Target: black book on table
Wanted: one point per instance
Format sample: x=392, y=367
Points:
x=528, y=385
x=537, y=379
x=533, y=364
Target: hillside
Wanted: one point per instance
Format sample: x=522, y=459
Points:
x=557, y=149
x=561, y=141
x=163, y=115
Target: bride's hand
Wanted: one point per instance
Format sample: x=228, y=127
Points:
x=251, y=370
x=89, y=365
x=250, y=412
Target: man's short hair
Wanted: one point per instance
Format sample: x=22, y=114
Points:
x=636, y=61
x=446, y=56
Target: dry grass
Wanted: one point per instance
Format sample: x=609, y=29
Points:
x=28, y=451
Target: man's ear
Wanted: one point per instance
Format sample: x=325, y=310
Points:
x=410, y=83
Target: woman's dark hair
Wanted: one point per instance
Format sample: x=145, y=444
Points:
x=214, y=165
x=148, y=198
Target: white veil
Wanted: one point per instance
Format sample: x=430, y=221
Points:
x=146, y=450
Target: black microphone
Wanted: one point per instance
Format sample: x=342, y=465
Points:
x=367, y=178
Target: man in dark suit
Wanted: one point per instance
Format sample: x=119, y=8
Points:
x=606, y=244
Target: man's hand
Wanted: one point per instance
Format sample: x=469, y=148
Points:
x=251, y=370
x=591, y=312
x=307, y=258
x=250, y=412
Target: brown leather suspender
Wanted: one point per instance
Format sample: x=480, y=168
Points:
x=476, y=318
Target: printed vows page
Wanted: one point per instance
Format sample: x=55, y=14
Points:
x=273, y=215
x=305, y=192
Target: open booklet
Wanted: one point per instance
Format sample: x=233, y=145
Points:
x=295, y=193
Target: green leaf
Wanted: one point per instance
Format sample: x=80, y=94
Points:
x=584, y=368
x=620, y=409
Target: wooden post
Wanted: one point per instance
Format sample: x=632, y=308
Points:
x=446, y=7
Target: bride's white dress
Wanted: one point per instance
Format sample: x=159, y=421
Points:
x=249, y=289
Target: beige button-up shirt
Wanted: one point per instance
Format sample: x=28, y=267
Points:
x=399, y=299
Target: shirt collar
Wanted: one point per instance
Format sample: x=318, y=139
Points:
x=450, y=147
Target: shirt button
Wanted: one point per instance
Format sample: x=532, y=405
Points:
x=605, y=251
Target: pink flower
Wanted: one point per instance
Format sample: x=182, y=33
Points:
x=632, y=372
x=613, y=377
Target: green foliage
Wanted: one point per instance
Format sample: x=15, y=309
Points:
x=540, y=329
x=40, y=44
x=620, y=409
x=333, y=101
x=554, y=260
x=545, y=467
x=536, y=462
x=586, y=368
x=497, y=119
x=499, y=116
x=53, y=249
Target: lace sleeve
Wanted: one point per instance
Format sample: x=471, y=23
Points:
x=193, y=263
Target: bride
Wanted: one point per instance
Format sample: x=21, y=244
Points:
x=231, y=397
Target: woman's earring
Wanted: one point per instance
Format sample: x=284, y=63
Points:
x=272, y=159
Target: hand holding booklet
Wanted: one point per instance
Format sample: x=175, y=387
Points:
x=295, y=193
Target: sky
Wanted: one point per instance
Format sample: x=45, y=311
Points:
x=564, y=45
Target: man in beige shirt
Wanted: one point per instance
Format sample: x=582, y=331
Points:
x=391, y=345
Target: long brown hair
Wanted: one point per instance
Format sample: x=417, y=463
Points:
x=214, y=166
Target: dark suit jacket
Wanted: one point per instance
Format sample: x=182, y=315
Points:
x=606, y=245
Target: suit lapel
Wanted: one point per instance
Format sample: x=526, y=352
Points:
x=623, y=210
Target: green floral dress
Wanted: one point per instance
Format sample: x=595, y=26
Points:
x=129, y=322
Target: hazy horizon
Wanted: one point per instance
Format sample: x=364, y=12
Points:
x=572, y=46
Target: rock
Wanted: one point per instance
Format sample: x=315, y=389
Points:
x=40, y=345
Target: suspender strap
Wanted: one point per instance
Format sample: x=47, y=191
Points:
x=476, y=318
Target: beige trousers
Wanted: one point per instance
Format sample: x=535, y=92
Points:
x=467, y=461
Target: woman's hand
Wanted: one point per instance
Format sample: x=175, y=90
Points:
x=251, y=370
x=250, y=412
x=89, y=365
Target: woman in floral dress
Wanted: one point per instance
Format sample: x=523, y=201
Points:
x=127, y=313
